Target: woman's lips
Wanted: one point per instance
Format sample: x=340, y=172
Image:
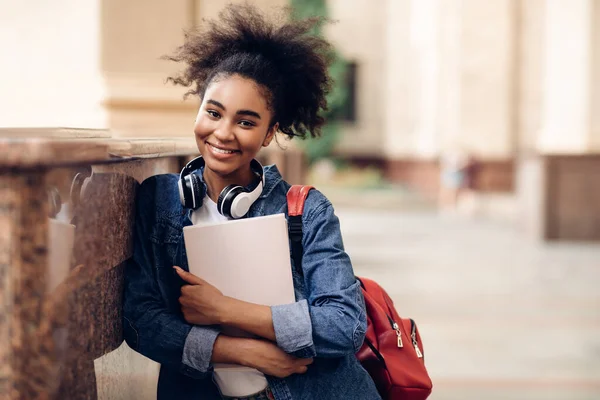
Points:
x=220, y=152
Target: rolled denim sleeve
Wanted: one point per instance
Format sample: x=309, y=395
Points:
x=198, y=347
x=293, y=329
x=335, y=301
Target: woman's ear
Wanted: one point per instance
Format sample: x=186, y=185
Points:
x=271, y=134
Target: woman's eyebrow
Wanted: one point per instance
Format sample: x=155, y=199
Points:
x=240, y=112
x=216, y=103
x=248, y=112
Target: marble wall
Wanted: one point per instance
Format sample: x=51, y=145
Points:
x=66, y=234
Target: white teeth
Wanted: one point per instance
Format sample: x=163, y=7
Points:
x=217, y=150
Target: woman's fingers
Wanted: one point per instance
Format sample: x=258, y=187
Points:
x=301, y=369
x=306, y=361
x=188, y=277
x=302, y=365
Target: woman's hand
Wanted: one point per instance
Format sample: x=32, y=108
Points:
x=201, y=302
x=271, y=360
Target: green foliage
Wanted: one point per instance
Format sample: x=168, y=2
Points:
x=309, y=8
x=322, y=147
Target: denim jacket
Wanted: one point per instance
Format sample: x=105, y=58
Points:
x=327, y=322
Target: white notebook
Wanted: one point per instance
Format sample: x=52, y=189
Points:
x=248, y=259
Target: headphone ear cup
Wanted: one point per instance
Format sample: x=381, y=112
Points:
x=197, y=190
x=226, y=198
x=222, y=195
x=181, y=184
x=191, y=188
x=191, y=191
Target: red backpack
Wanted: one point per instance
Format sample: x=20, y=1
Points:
x=392, y=352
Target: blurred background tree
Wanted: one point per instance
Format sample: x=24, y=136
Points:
x=337, y=99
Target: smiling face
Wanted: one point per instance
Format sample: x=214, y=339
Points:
x=233, y=123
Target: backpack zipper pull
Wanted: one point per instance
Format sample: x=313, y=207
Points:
x=416, y=345
x=413, y=336
x=397, y=329
x=418, y=351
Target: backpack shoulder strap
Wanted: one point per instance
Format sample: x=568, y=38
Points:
x=296, y=197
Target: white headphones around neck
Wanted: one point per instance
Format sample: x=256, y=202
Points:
x=234, y=200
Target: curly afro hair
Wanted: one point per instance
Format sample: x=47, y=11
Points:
x=287, y=62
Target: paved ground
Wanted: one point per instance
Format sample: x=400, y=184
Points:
x=501, y=317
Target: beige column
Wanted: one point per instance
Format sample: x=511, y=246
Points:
x=594, y=140
x=51, y=64
x=450, y=82
x=449, y=99
x=558, y=184
x=530, y=60
x=399, y=110
x=570, y=96
x=424, y=42
x=413, y=75
x=486, y=80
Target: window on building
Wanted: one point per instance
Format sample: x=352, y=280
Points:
x=348, y=111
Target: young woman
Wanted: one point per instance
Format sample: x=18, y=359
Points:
x=254, y=78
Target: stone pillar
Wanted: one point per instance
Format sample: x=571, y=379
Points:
x=594, y=140
x=477, y=87
x=570, y=94
x=52, y=76
x=451, y=87
x=64, y=243
x=558, y=179
x=425, y=43
x=448, y=121
x=530, y=60
x=411, y=92
x=396, y=93
x=451, y=77
x=486, y=79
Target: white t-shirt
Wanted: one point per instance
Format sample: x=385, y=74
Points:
x=233, y=381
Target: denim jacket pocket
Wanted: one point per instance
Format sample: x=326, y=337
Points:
x=165, y=239
x=165, y=233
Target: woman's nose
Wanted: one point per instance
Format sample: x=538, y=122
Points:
x=223, y=132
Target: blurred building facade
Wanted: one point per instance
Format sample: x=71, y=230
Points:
x=513, y=83
x=97, y=64
x=494, y=79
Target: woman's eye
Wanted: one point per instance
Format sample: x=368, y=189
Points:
x=246, y=124
x=212, y=113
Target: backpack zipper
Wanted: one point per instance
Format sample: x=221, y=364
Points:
x=413, y=335
x=397, y=329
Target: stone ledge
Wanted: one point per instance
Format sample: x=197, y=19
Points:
x=57, y=133
x=49, y=147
